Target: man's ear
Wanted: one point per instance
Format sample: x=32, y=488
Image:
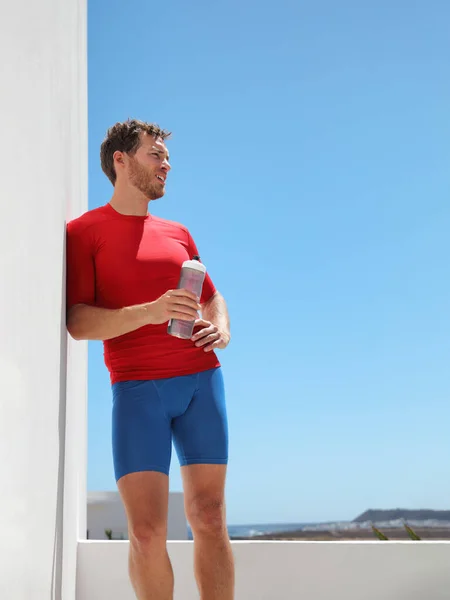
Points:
x=118, y=156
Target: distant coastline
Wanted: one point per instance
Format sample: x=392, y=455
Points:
x=427, y=524
x=377, y=515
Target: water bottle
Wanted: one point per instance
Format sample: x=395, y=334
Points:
x=191, y=278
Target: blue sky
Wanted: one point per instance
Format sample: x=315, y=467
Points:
x=310, y=161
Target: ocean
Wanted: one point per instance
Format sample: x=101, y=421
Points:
x=254, y=530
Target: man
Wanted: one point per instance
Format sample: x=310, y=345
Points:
x=123, y=266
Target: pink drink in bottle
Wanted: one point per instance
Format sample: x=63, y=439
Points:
x=192, y=277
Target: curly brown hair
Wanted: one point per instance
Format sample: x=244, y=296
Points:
x=126, y=137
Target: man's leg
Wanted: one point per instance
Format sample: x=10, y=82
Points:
x=142, y=444
x=201, y=440
x=145, y=497
x=204, y=487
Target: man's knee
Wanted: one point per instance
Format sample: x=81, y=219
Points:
x=147, y=534
x=206, y=514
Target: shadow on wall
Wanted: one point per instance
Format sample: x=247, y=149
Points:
x=58, y=542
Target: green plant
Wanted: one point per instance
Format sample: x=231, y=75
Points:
x=108, y=533
x=379, y=534
x=410, y=531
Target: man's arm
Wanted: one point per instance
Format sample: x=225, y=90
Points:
x=215, y=325
x=215, y=311
x=86, y=322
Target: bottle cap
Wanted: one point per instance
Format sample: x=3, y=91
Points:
x=194, y=263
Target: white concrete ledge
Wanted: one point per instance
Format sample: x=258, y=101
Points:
x=287, y=570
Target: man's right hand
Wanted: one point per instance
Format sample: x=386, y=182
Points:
x=174, y=304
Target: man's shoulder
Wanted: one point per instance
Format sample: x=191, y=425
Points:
x=87, y=219
x=168, y=224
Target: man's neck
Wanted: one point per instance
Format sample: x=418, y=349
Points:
x=129, y=202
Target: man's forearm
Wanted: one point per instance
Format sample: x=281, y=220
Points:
x=94, y=323
x=216, y=311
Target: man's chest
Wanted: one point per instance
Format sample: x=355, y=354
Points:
x=135, y=266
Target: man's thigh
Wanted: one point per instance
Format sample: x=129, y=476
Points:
x=201, y=433
x=141, y=430
x=204, y=493
x=145, y=496
x=142, y=443
x=204, y=481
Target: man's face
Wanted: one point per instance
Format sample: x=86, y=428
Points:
x=148, y=168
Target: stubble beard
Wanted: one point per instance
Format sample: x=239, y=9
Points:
x=144, y=180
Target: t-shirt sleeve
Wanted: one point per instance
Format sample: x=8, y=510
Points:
x=209, y=288
x=80, y=268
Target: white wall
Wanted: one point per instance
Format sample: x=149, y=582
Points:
x=42, y=182
x=288, y=571
x=105, y=511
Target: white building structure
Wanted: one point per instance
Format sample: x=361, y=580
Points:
x=44, y=553
x=105, y=512
x=43, y=183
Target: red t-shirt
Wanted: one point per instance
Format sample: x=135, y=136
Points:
x=116, y=260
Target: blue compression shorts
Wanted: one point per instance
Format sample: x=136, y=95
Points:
x=148, y=415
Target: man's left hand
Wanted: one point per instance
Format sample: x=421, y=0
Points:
x=209, y=336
